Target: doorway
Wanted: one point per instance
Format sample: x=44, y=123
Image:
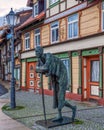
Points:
x=32, y=76
x=90, y=77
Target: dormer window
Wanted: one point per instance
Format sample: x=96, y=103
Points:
x=35, y=9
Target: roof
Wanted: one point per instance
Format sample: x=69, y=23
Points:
x=31, y=19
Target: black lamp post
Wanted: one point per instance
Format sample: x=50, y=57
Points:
x=12, y=19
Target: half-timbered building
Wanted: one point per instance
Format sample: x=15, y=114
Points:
x=73, y=31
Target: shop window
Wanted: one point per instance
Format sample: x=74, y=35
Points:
x=66, y=63
x=17, y=73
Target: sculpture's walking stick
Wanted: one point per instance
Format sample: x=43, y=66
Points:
x=43, y=99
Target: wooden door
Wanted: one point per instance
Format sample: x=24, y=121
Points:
x=31, y=76
x=90, y=78
x=93, y=78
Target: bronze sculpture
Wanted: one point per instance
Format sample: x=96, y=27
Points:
x=51, y=65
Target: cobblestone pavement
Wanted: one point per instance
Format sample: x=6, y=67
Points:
x=91, y=114
x=3, y=90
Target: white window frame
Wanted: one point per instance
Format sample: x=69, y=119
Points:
x=35, y=9
x=27, y=41
x=102, y=16
x=54, y=28
x=72, y=23
x=37, y=36
x=53, y=1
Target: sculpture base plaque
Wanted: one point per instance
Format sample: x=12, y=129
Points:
x=49, y=123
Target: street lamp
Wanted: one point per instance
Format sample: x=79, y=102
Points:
x=12, y=19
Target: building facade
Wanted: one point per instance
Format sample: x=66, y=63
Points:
x=74, y=32
x=5, y=50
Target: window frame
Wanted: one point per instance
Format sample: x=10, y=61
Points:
x=72, y=22
x=54, y=28
x=102, y=16
x=36, y=5
x=27, y=39
x=97, y=76
x=53, y=2
x=17, y=73
x=37, y=35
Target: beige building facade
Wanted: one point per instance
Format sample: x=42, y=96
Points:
x=73, y=31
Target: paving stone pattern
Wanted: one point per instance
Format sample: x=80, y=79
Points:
x=91, y=115
x=3, y=90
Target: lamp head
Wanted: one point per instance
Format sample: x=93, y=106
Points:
x=11, y=18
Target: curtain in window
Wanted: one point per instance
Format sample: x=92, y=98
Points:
x=54, y=31
x=70, y=30
x=103, y=20
x=95, y=71
x=75, y=28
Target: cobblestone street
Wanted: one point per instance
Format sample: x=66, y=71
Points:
x=3, y=90
x=91, y=114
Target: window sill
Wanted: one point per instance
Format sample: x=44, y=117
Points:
x=27, y=49
x=54, y=42
x=72, y=38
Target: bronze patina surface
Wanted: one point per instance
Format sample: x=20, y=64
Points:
x=52, y=66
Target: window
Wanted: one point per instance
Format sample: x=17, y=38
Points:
x=37, y=37
x=17, y=48
x=54, y=32
x=95, y=71
x=17, y=73
x=73, y=26
x=35, y=9
x=53, y=1
x=66, y=63
x=27, y=41
x=103, y=16
x=9, y=67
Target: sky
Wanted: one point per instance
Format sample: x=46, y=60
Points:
x=6, y=5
